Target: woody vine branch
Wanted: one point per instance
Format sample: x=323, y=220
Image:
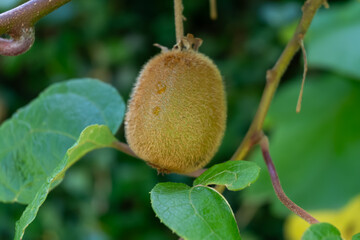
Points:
x=18, y=23
x=274, y=75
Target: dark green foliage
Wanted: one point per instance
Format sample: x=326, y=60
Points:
x=37, y=137
x=106, y=196
x=42, y=140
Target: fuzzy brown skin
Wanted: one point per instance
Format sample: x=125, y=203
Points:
x=177, y=113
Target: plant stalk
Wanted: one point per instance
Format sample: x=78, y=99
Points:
x=264, y=143
x=179, y=26
x=123, y=147
x=28, y=13
x=273, y=77
x=19, y=22
x=213, y=10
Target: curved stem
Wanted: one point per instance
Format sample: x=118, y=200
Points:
x=179, y=26
x=273, y=77
x=264, y=143
x=28, y=13
x=123, y=147
x=18, y=43
x=19, y=23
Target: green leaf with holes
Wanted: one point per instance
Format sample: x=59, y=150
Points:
x=235, y=175
x=194, y=212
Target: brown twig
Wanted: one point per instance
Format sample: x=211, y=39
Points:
x=264, y=144
x=179, y=26
x=273, y=77
x=213, y=10
x=19, y=42
x=19, y=22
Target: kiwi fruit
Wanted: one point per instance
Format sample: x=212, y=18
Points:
x=177, y=112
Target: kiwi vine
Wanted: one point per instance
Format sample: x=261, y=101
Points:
x=19, y=25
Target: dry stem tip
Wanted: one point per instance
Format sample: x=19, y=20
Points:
x=298, y=106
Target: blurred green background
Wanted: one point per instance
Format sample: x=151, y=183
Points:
x=106, y=195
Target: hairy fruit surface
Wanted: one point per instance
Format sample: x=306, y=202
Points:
x=177, y=113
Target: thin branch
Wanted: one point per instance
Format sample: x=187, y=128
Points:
x=179, y=26
x=123, y=147
x=28, y=14
x=273, y=77
x=213, y=10
x=264, y=143
x=196, y=173
x=19, y=22
x=326, y=4
x=18, y=43
x=298, y=106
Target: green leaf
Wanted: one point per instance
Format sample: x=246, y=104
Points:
x=333, y=39
x=194, y=213
x=356, y=237
x=35, y=140
x=315, y=152
x=93, y=137
x=235, y=175
x=322, y=231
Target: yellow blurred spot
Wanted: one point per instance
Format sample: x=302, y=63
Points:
x=156, y=110
x=347, y=220
x=160, y=87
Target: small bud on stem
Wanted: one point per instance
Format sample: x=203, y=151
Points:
x=18, y=43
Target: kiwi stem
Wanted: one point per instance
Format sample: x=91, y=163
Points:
x=179, y=26
x=196, y=173
x=19, y=20
x=123, y=147
x=273, y=77
x=264, y=144
x=213, y=10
